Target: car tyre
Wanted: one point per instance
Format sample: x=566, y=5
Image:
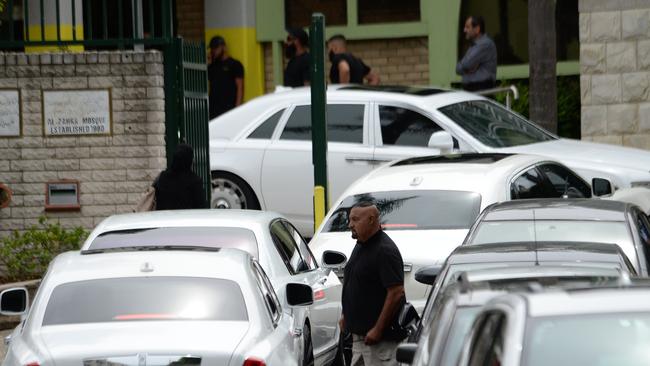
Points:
x=308, y=347
x=231, y=192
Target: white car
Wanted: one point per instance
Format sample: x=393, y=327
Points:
x=260, y=153
x=157, y=308
x=266, y=236
x=428, y=204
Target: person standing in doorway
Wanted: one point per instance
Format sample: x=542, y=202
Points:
x=346, y=68
x=479, y=65
x=295, y=50
x=178, y=187
x=373, y=290
x=226, y=76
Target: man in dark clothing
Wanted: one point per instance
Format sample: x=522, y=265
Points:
x=373, y=289
x=479, y=65
x=226, y=76
x=178, y=188
x=346, y=68
x=295, y=49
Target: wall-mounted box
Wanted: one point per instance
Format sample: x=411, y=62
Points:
x=62, y=195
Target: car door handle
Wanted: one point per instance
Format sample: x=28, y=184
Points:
x=408, y=267
x=353, y=159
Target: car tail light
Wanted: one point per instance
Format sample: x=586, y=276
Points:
x=33, y=364
x=254, y=361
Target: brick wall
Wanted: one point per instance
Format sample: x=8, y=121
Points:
x=615, y=71
x=190, y=18
x=113, y=170
x=402, y=61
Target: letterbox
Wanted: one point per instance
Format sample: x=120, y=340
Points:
x=62, y=195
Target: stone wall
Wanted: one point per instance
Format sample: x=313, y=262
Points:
x=615, y=71
x=401, y=61
x=113, y=170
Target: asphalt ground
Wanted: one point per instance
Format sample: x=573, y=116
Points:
x=3, y=350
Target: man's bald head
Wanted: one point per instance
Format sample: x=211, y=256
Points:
x=364, y=221
x=337, y=44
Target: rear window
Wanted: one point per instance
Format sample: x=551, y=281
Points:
x=177, y=237
x=145, y=299
x=414, y=210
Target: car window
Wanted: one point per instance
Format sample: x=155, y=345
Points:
x=270, y=297
x=463, y=320
x=404, y=127
x=265, y=130
x=305, y=253
x=344, y=123
x=565, y=182
x=145, y=299
x=287, y=248
x=487, y=348
x=643, y=228
x=530, y=184
x=493, y=125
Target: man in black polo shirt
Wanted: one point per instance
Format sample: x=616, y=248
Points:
x=295, y=49
x=373, y=289
x=346, y=68
x=226, y=76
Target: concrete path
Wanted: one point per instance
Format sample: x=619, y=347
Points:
x=3, y=333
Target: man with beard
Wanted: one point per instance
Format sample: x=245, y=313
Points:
x=479, y=65
x=295, y=50
x=346, y=68
x=373, y=289
x=226, y=76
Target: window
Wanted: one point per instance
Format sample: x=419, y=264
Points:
x=265, y=130
x=404, y=127
x=145, y=299
x=643, y=227
x=287, y=248
x=565, y=182
x=298, y=12
x=305, y=253
x=388, y=11
x=487, y=345
x=270, y=297
x=344, y=123
x=531, y=184
x=493, y=125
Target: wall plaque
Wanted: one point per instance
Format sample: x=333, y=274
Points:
x=76, y=112
x=10, y=113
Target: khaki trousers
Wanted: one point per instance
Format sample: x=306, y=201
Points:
x=380, y=354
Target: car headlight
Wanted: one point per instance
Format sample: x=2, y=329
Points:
x=645, y=184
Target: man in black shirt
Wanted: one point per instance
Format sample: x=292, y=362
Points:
x=346, y=68
x=295, y=49
x=373, y=289
x=226, y=76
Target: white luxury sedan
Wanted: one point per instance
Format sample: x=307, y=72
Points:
x=428, y=204
x=185, y=308
x=266, y=236
x=260, y=153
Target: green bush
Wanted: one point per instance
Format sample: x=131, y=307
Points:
x=26, y=255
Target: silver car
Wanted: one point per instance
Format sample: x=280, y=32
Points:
x=266, y=236
x=157, y=308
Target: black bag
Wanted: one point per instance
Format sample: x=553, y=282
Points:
x=404, y=322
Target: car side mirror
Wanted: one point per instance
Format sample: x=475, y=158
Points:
x=601, y=187
x=14, y=301
x=299, y=294
x=406, y=353
x=442, y=141
x=333, y=260
x=408, y=317
x=427, y=275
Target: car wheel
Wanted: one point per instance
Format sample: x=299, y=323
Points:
x=344, y=350
x=308, y=347
x=231, y=192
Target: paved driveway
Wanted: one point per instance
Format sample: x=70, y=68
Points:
x=3, y=333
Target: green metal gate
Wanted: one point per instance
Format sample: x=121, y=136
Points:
x=186, y=104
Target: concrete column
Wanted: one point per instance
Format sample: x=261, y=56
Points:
x=235, y=22
x=50, y=24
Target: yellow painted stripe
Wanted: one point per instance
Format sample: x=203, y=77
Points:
x=242, y=45
x=319, y=206
x=50, y=35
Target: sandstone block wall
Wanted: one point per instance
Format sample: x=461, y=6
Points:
x=113, y=170
x=615, y=71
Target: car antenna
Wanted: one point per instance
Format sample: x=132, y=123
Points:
x=535, y=238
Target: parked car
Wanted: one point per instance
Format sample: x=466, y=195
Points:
x=268, y=237
x=260, y=152
x=428, y=204
x=599, y=221
x=157, y=308
x=590, y=326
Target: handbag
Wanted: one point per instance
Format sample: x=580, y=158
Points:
x=404, y=322
x=147, y=201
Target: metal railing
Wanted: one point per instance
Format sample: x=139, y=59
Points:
x=511, y=93
x=114, y=23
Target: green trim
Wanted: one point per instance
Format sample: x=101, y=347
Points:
x=269, y=20
x=443, y=40
x=278, y=78
x=353, y=13
x=379, y=31
x=522, y=71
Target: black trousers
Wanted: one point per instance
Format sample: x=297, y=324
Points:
x=480, y=85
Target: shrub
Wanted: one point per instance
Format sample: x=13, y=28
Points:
x=26, y=255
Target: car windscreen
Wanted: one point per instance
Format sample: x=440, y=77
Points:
x=493, y=125
x=177, y=237
x=596, y=339
x=413, y=210
x=145, y=299
x=459, y=328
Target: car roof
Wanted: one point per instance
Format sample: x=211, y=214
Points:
x=469, y=174
x=532, y=271
x=222, y=263
x=558, y=209
x=536, y=252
